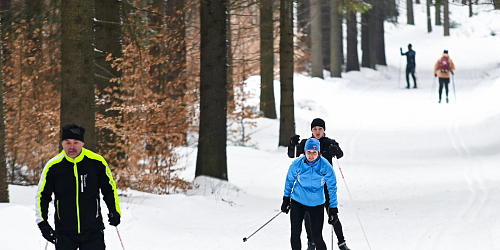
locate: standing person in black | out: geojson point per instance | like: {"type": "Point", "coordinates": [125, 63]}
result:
{"type": "Point", "coordinates": [75, 176]}
{"type": "Point", "coordinates": [410, 66]}
{"type": "Point", "coordinates": [329, 149]}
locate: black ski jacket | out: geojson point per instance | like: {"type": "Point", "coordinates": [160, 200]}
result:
{"type": "Point", "coordinates": [76, 184]}
{"type": "Point", "coordinates": [324, 144]}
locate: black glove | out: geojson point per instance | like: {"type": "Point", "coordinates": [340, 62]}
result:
{"type": "Point", "coordinates": [47, 232]}
{"type": "Point", "coordinates": [114, 218]}
{"type": "Point", "coordinates": [285, 206]}
{"type": "Point", "coordinates": [453, 73]}
{"type": "Point", "coordinates": [332, 215]}
{"type": "Point", "coordinates": [335, 149]}
{"type": "Point", "coordinates": [300, 149]}
{"type": "Point", "coordinates": [294, 140]}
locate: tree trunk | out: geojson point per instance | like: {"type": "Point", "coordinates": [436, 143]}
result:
{"type": "Point", "coordinates": [4, 187]}
{"type": "Point", "coordinates": [156, 51]}
{"type": "Point", "coordinates": [316, 40]}
{"type": "Point", "coordinates": [469, 2]}
{"type": "Point", "coordinates": [446, 14]}
{"type": "Point", "coordinates": [287, 113]}
{"type": "Point", "coordinates": [303, 34]}
{"type": "Point", "coordinates": [368, 37]}
{"type": "Point", "coordinates": [108, 33]}
{"type": "Point", "coordinates": [336, 57]}
{"type": "Point", "coordinates": [177, 48]}
{"type": "Point", "coordinates": [230, 74]}
{"type": "Point", "coordinates": [212, 157]}
{"type": "Point", "coordinates": [77, 66]}
{"type": "Point", "coordinates": [409, 14]}
{"type": "Point", "coordinates": [379, 37]}
{"type": "Point", "coordinates": [496, 4]}
{"type": "Point", "coordinates": [428, 10]}
{"type": "Point", "coordinates": [267, 101]}
{"type": "Point", "coordinates": [437, 6]}
{"type": "Point", "coordinates": [326, 25]}
{"type": "Point", "coordinates": [352, 43]}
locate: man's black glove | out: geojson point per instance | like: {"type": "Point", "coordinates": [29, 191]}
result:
{"type": "Point", "coordinates": [300, 149]}
{"type": "Point", "coordinates": [285, 206]}
{"type": "Point", "coordinates": [114, 218]}
{"type": "Point", "coordinates": [332, 215]}
{"type": "Point", "coordinates": [335, 150]}
{"type": "Point", "coordinates": [294, 140]}
{"type": "Point", "coordinates": [47, 231]}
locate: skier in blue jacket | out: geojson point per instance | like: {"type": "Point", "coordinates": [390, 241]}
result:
{"type": "Point", "coordinates": [304, 192]}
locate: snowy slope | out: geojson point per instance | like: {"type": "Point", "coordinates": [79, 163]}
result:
{"type": "Point", "coordinates": [422, 175]}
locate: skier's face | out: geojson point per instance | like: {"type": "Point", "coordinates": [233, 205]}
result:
{"type": "Point", "coordinates": [312, 155]}
{"type": "Point", "coordinates": [72, 147]}
{"type": "Point", "coordinates": [318, 132]}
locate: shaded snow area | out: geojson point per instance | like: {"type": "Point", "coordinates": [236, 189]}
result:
{"type": "Point", "coordinates": [422, 175]}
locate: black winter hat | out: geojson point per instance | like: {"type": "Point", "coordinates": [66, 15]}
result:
{"type": "Point", "coordinates": [445, 51]}
{"type": "Point", "coordinates": [318, 122]}
{"type": "Point", "coordinates": [73, 131]}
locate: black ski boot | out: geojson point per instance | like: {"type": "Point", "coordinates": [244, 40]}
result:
{"type": "Point", "coordinates": [311, 245]}
{"type": "Point", "coordinates": [343, 246]}
{"type": "Point", "coordinates": [446, 99]}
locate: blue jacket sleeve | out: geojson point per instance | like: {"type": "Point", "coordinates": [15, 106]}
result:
{"type": "Point", "coordinates": [331, 183]}
{"type": "Point", "coordinates": [291, 177]}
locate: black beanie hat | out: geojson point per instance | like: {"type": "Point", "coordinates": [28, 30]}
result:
{"type": "Point", "coordinates": [73, 131]}
{"type": "Point", "coordinates": [445, 51]}
{"type": "Point", "coordinates": [318, 122]}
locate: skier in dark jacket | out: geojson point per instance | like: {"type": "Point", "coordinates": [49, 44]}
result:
{"type": "Point", "coordinates": [410, 66]}
{"type": "Point", "coordinates": [329, 149]}
{"type": "Point", "coordinates": [75, 176]}
{"type": "Point", "coordinates": [304, 193]}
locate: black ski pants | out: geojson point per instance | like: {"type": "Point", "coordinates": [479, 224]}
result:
{"type": "Point", "coordinates": [410, 70]}
{"type": "Point", "coordinates": [316, 215]}
{"type": "Point", "coordinates": [337, 227]}
{"type": "Point", "coordinates": [443, 82]}
{"type": "Point", "coordinates": [84, 241]}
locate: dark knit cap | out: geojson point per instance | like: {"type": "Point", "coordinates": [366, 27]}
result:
{"type": "Point", "coordinates": [73, 131]}
{"type": "Point", "coordinates": [445, 51]}
{"type": "Point", "coordinates": [318, 122]}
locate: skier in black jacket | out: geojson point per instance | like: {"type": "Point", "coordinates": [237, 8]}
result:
{"type": "Point", "coordinates": [410, 66]}
{"type": "Point", "coordinates": [329, 149]}
{"type": "Point", "coordinates": [75, 176]}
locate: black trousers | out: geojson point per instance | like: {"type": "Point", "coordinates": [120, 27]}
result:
{"type": "Point", "coordinates": [410, 70]}
{"type": "Point", "coordinates": [84, 241]}
{"type": "Point", "coordinates": [316, 216]}
{"type": "Point", "coordinates": [337, 228]}
{"type": "Point", "coordinates": [443, 82]}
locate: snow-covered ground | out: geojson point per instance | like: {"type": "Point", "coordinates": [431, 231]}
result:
{"type": "Point", "coordinates": [422, 175]}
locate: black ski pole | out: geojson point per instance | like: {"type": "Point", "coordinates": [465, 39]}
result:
{"type": "Point", "coordinates": [246, 238]}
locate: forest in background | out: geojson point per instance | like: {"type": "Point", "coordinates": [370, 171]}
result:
{"type": "Point", "coordinates": [145, 67]}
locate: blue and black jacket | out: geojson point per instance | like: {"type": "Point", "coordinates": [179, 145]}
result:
{"type": "Point", "coordinates": [76, 184]}
{"type": "Point", "coordinates": [304, 183]}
